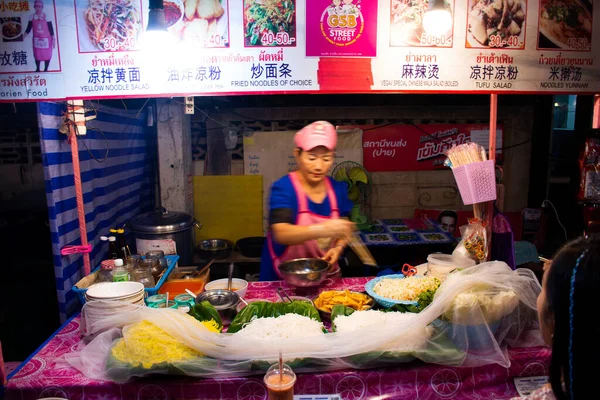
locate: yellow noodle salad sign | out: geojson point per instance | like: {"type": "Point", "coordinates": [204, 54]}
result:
{"type": "Point", "coordinates": [93, 49]}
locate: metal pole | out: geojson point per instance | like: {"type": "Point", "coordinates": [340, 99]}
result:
{"type": "Point", "coordinates": [492, 156]}
{"type": "Point", "coordinates": [596, 114]}
{"type": "Point", "coordinates": [76, 113]}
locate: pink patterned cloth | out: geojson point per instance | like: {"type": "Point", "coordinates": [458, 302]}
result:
{"type": "Point", "coordinates": [41, 376]}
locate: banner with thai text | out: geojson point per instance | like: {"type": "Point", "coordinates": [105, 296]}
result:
{"type": "Point", "coordinates": [55, 49]}
{"type": "Point", "coordinates": [419, 147]}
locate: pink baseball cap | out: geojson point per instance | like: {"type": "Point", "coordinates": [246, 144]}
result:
{"type": "Point", "coordinates": [320, 133]}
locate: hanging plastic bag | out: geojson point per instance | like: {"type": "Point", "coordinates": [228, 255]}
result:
{"type": "Point", "coordinates": [474, 241]}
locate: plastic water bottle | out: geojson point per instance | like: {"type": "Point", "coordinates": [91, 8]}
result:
{"type": "Point", "coordinates": [120, 273]}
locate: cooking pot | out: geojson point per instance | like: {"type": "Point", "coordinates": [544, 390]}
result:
{"type": "Point", "coordinates": [169, 231]}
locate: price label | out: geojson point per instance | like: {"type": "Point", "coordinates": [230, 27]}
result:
{"type": "Point", "coordinates": [280, 39]}
{"type": "Point", "coordinates": [319, 397]}
{"type": "Point", "coordinates": [215, 40]}
{"type": "Point", "coordinates": [430, 40]}
{"type": "Point", "coordinates": [113, 44]}
{"type": "Point", "coordinates": [498, 41]}
{"type": "Point", "coordinates": [578, 43]}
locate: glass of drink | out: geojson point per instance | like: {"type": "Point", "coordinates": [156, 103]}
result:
{"type": "Point", "coordinates": [280, 385]}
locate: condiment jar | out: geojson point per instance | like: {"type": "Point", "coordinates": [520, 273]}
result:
{"type": "Point", "coordinates": [143, 274]}
{"type": "Point", "coordinates": [155, 300]}
{"type": "Point", "coordinates": [133, 261]}
{"type": "Point", "coordinates": [106, 271]}
{"type": "Point", "coordinates": [184, 302]}
{"type": "Point", "coordinates": [159, 256]}
{"type": "Point", "coordinates": [172, 304]}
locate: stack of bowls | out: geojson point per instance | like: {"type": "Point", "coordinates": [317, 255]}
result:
{"type": "Point", "coordinates": [107, 299]}
{"type": "Point", "coordinates": [124, 293]}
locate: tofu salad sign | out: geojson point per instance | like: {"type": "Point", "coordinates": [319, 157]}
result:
{"type": "Point", "coordinates": [90, 49]}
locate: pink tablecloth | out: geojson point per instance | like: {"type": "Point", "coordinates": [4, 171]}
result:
{"type": "Point", "coordinates": [40, 377]}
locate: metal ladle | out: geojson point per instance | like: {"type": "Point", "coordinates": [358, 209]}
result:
{"type": "Point", "coordinates": [230, 277]}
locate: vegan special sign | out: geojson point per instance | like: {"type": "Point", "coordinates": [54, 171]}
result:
{"type": "Point", "coordinates": [53, 49]}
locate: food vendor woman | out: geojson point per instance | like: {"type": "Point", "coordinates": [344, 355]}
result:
{"type": "Point", "coordinates": [306, 206]}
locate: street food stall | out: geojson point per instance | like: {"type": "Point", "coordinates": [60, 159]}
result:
{"type": "Point", "coordinates": [460, 325]}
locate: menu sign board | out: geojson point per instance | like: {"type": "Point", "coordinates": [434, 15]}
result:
{"type": "Point", "coordinates": [55, 49]}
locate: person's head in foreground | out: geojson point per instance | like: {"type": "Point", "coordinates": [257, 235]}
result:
{"type": "Point", "coordinates": [315, 151]}
{"type": "Point", "coordinates": [568, 310]}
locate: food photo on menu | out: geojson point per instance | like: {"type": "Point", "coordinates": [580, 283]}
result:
{"type": "Point", "coordinates": [496, 24]}
{"type": "Point", "coordinates": [203, 23]}
{"type": "Point", "coordinates": [408, 27]}
{"type": "Point", "coordinates": [270, 23]}
{"type": "Point", "coordinates": [29, 36]}
{"type": "Point", "coordinates": [108, 25]}
{"type": "Point", "coordinates": [565, 25]}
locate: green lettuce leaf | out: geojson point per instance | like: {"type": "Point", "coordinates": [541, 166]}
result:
{"type": "Point", "coordinates": [205, 312]}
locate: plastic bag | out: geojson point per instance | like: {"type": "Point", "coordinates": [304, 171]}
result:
{"type": "Point", "coordinates": [473, 315]}
{"type": "Point", "coordinates": [589, 165]}
{"type": "Point", "coordinates": [474, 241]}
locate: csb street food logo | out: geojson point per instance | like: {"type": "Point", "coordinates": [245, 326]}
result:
{"type": "Point", "coordinates": [342, 23]}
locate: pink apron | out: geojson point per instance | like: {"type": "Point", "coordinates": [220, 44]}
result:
{"type": "Point", "coordinates": [311, 248]}
{"type": "Point", "coordinates": [42, 41]}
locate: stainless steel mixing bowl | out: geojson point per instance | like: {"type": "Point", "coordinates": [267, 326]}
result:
{"type": "Point", "coordinates": [304, 272]}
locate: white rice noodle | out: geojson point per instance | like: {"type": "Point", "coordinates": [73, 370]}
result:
{"type": "Point", "coordinates": [288, 326]}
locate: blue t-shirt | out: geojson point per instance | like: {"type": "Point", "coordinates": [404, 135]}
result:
{"type": "Point", "coordinates": [283, 195]}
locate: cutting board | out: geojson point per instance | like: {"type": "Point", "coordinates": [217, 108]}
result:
{"type": "Point", "coordinates": [229, 207]}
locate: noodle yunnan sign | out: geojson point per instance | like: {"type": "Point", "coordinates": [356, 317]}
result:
{"type": "Point", "coordinates": [55, 49]}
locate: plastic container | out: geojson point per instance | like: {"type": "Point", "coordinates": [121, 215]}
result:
{"type": "Point", "coordinates": [172, 261]}
{"type": "Point", "coordinates": [280, 386]}
{"type": "Point", "coordinates": [176, 284]}
{"type": "Point", "coordinates": [183, 300]}
{"type": "Point", "coordinates": [440, 265]}
{"type": "Point", "coordinates": [172, 304]}
{"type": "Point", "coordinates": [476, 182]}
{"type": "Point", "coordinates": [153, 301]}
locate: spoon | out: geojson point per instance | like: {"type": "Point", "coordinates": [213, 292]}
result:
{"type": "Point", "coordinates": [230, 277]}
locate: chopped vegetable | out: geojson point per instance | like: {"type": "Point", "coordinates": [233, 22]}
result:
{"type": "Point", "coordinates": [358, 301]}
{"type": "Point", "coordinates": [206, 312]}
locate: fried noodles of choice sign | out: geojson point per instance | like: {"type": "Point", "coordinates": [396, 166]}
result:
{"type": "Point", "coordinates": [55, 49]}
{"type": "Point", "coordinates": [420, 147]}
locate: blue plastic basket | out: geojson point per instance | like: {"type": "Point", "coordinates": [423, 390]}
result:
{"type": "Point", "coordinates": [384, 301]}
{"type": "Point", "coordinates": [171, 262]}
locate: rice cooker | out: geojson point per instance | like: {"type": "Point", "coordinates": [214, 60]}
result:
{"type": "Point", "coordinates": [169, 231]}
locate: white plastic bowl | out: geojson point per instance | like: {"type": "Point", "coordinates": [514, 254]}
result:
{"type": "Point", "coordinates": [114, 290]}
{"type": "Point", "coordinates": [240, 286]}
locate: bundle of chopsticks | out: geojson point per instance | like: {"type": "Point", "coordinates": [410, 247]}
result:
{"type": "Point", "coordinates": [463, 154]}
{"type": "Point", "coordinates": [467, 153]}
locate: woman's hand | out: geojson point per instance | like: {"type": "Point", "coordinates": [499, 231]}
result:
{"type": "Point", "coordinates": [333, 255]}
{"type": "Point", "coordinates": [338, 229]}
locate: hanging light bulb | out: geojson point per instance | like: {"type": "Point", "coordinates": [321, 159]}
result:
{"type": "Point", "coordinates": [437, 20]}
{"type": "Point", "coordinates": [156, 38]}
